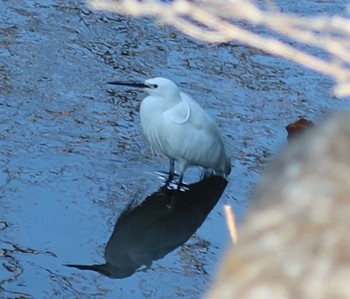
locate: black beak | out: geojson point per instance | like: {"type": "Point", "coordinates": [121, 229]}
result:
{"type": "Point", "coordinates": [138, 85]}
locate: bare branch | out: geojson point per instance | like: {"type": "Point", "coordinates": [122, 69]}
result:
{"type": "Point", "coordinates": [215, 21]}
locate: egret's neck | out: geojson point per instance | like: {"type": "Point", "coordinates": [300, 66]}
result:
{"type": "Point", "coordinates": [173, 96]}
{"type": "Point", "coordinates": [168, 98]}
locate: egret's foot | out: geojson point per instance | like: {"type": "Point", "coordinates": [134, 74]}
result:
{"type": "Point", "coordinates": [170, 178]}
{"type": "Point", "coordinates": [167, 177]}
{"type": "Point", "coordinates": [171, 182]}
{"type": "Point", "coordinates": [183, 187]}
{"type": "Point", "coordinates": [179, 184]}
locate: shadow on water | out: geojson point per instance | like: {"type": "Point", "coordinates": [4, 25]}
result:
{"type": "Point", "coordinates": [160, 224]}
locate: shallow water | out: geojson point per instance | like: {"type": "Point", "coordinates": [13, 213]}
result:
{"type": "Point", "coordinates": [72, 157]}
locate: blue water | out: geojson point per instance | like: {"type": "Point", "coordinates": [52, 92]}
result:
{"type": "Point", "coordinates": [72, 156]}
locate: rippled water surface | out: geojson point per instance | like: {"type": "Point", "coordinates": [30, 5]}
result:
{"type": "Point", "coordinates": [72, 157]}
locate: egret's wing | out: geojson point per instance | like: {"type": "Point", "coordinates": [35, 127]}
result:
{"type": "Point", "coordinates": [180, 113]}
{"type": "Point", "coordinates": [188, 120]}
{"type": "Point", "coordinates": [191, 136]}
{"type": "Point", "coordinates": [199, 118]}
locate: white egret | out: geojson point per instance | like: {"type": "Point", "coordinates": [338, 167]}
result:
{"type": "Point", "coordinates": [176, 126]}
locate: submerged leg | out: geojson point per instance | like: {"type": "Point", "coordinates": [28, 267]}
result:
{"type": "Point", "coordinates": [171, 170]}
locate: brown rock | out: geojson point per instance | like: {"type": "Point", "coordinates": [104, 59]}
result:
{"type": "Point", "coordinates": [297, 127]}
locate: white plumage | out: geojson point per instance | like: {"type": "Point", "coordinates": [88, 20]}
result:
{"type": "Point", "coordinates": [176, 126]}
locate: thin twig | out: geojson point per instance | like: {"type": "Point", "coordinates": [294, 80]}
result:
{"type": "Point", "coordinates": [231, 223]}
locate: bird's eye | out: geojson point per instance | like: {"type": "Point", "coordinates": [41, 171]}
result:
{"type": "Point", "coordinates": [155, 86]}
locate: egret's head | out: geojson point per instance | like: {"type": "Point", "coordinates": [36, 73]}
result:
{"type": "Point", "coordinates": [162, 87]}
{"type": "Point", "coordinates": [108, 269]}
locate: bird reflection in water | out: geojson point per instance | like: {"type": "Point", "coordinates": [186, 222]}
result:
{"type": "Point", "coordinates": [160, 224]}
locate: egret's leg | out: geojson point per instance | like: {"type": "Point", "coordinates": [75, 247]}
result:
{"type": "Point", "coordinates": [182, 171]}
{"type": "Point", "coordinates": [171, 170]}
{"type": "Point", "coordinates": [180, 180]}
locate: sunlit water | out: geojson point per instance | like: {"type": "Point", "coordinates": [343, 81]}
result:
{"type": "Point", "coordinates": [72, 157]}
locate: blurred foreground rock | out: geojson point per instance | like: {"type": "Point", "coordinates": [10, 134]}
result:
{"type": "Point", "coordinates": [295, 242]}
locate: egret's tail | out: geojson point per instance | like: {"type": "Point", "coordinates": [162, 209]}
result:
{"type": "Point", "coordinates": [227, 168]}
{"type": "Point", "coordinates": [208, 173]}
